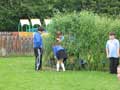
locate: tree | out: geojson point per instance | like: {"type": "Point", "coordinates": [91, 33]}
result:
{"type": "Point", "coordinates": [12, 10]}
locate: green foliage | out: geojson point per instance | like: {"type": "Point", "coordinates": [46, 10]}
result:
{"type": "Point", "coordinates": [85, 34]}
{"type": "Point", "coordinates": [12, 10]}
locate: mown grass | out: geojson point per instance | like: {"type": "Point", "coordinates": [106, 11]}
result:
{"type": "Point", "coordinates": [17, 73]}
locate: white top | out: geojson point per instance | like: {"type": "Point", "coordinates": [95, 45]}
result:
{"type": "Point", "coordinates": [113, 46]}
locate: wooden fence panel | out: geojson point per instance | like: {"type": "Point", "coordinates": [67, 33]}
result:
{"type": "Point", "coordinates": [11, 44]}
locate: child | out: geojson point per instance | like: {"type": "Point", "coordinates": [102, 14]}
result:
{"type": "Point", "coordinates": [38, 48]}
{"type": "Point", "coordinates": [112, 51]}
{"type": "Point", "coordinates": [60, 38]}
{"type": "Point", "coordinates": [60, 54]}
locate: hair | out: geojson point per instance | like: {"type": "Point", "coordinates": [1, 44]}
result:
{"type": "Point", "coordinates": [112, 34]}
{"type": "Point", "coordinates": [41, 29]}
{"type": "Point", "coordinates": [58, 33]}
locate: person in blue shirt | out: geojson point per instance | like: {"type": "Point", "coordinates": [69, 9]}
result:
{"type": "Point", "coordinates": [113, 52]}
{"type": "Point", "coordinates": [60, 39]}
{"type": "Point", "coordinates": [38, 47]}
{"type": "Point", "coordinates": [60, 55]}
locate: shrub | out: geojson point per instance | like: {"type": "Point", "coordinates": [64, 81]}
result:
{"type": "Point", "coordinates": [85, 34]}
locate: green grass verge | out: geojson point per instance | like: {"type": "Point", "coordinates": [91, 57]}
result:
{"type": "Point", "coordinates": [17, 73]}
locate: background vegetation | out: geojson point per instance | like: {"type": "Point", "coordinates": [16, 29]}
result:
{"type": "Point", "coordinates": [85, 34]}
{"type": "Point", "coordinates": [12, 10]}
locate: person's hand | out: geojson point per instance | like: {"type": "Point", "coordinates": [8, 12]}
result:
{"type": "Point", "coordinates": [42, 50]}
{"type": "Point", "coordinates": [58, 39]}
{"type": "Point", "coordinates": [107, 56]}
{"type": "Point", "coordinates": [55, 57]}
{"type": "Point", "coordinates": [118, 55]}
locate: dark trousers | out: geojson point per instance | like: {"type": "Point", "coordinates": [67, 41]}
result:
{"type": "Point", "coordinates": [65, 61]}
{"type": "Point", "coordinates": [114, 62]}
{"type": "Point", "coordinates": [38, 58]}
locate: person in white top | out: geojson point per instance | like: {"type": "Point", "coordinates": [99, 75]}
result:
{"type": "Point", "coordinates": [113, 52]}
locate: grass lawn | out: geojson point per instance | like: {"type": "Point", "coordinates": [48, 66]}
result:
{"type": "Point", "coordinates": [17, 73]}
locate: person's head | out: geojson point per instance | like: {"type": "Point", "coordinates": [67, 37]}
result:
{"type": "Point", "coordinates": [111, 35]}
{"type": "Point", "coordinates": [58, 33]}
{"type": "Point", "coordinates": [41, 29]}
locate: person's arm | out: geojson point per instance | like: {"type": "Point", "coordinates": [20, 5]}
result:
{"type": "Point", "coordinates": [41, 42]}
{"type": "Point", "coordinates": [62, 38]}
{"type": "Point", "coordinates": [107, 50]}
{"type": "Point", "coordinates": [54, 50]}
{"type": "Point", "coordinates": [33, 37]}
{"type": "Point", "coordinates": [118, 48]}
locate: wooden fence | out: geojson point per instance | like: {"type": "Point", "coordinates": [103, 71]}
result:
{"type": "Point", "coordinates": [16, 44]}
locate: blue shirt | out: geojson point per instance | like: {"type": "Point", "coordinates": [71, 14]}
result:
{"type": "Point", "coordinates": [113, 46]}
{"type": "Point", "coordinates": [37, 40]}
{"type": "Point", "coordinates": [57, 48]}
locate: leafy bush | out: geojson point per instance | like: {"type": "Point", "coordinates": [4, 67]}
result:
{"type": "Point", "coordinates": [85, 34]}
{"type": "Point", "coordinates": [13, 10]}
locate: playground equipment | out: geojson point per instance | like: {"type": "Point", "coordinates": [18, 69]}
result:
{"type": "Point", "coordinates": [24, 23]}
{"type": "Point", "coordinates": [47, 21]}
{"type": "Point", "coordinates": [35, 22]}
{"type": "Point", "coordinates": [28, 26]}
{"type": "Point", "coordinates": [31, 25]}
